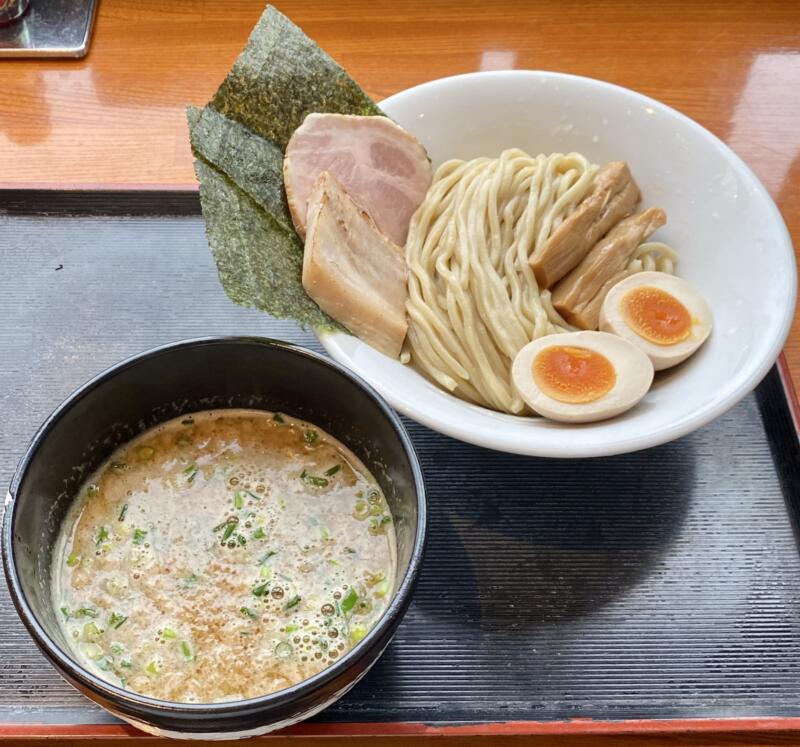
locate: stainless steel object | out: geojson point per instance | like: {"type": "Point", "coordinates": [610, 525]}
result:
{"type": "Point", "coordinates": [50, 28]}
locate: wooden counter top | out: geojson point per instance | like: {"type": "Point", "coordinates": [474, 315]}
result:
{"type": "Point", "coordinates": [117, 119]}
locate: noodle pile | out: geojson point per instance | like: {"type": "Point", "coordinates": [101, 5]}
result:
{"type": "Point", "coordinates": [473, 299]}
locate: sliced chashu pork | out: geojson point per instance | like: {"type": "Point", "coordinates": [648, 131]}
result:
{"type": "Point", "coordinates": [613, 195]}
{"type": "Point", "coordinates": [579, 296]}
{"type": "Point", "coordinates": [382, 167]}
{"type": "Point", "coordinates": [354, 273]}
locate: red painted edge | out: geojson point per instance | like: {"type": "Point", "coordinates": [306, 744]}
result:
{"type": "Point", "coordinates": [789, 389]}
{"type": "Point", "coordinates": [399, 729]}
{"type": "Point", "coordinates": [98, 187]}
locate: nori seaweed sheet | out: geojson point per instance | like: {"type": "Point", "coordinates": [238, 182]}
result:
{"type": "Point", "coordinates": [238, 140]}
{"type": "Point", "coordinates": [254, 164]}
{"type": "Point", "coordinates": [259, 262]}
{"type": "Point", "coordinates": [282, 76]}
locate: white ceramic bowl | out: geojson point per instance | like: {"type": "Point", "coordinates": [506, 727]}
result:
{"type": "Point", "coordinates": [733, 244]}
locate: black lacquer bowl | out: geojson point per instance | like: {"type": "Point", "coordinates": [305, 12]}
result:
{"type": "Point", "coordinates": [153, 387]}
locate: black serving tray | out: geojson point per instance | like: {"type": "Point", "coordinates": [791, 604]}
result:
{"type": "Point", "coordinates": [652, 591]}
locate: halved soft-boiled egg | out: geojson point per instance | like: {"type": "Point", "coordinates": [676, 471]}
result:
{"type": "Point", "coordinates": [659, 313]}
{"type": "Point", "coordinates": [579, 377]}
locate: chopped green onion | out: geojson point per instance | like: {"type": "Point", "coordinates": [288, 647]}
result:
{"type": "Point", "coordinates": [259, 533]}
{"type": "Point", "coordinates": [117, 648]}
{"type": "Point", "coordinates": [168, 633]}
{"type": "Point", "coordinates": [278, 418]}
{"type": "Point", "coordinates": [123, 512]}
{"type": "Point", "coordinates": [350, 600]}
{"type": "Point", "coordinates": [191, 580]}
{"type": "Point", "coordinates": [265, 572]}
{"type": "Point", "coordinates": [65, 612]}
{"type": "Point", "coordinates": [92, 490]}
{"type": "Point", "coordinates": [382, 589]}
{"type": "Point", "coordinates": [127, 663]}
{"type": "Point", "coordinates": [153, 667]}
{"type": "Point", "coordinates": [253, 495]}
{"type": "Point", "coordinates": [93, 651]}
{"type": "Point", "coordinates": [293, 602]}
{"type": "Point", "coordinates": [247, 612]}
{"type": "Point", "coordinates": [333, 470]}
{"type": "Point", "coordinates": [358, 632]}
{"type": "Point", "coordinates": [325, 533]}
{"type": "Point", "coordinates": [186, 651]}
{"type": "Point", "coordinates": [269, 554]}
{"type": "Point", "coordinates": [317, 482]}
{"type": "Point", "coordinates": [91, 631]}
{"type": "Point", "coordinates": [85, 612]}
{"type": "Point", "coordinates": [238, 499]}
{"type": "Point", "coordinates": [241, 540]}
{"type": "Point", "coordinates": [138, 536]}
{"type": "Point", "coordinates": [310, 436]}
{"type": "Point", "coordinates": [73, 560]}
{"type": "Point", "coordinates": [105, 663]}
{"type": "Point", "coordinates": [291, 627]}
{"type": "Point", "coordinates": [191, 472]}
{"type": "Point", "coordinates": [145, 453]}
{"type": "Point", "coordinates": [283, 649]}
{"type": "Point", "coordinates": [102, 536]}
{"type": "Point", "coordinates": [260, 590]}
{"type": "Point", "coordinates": [116, 620]}
{"type": "Point", "coordinates": [377, 525]}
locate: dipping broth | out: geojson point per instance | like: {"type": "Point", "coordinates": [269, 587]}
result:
{"type": "Point", "coordinates": [222, 556]}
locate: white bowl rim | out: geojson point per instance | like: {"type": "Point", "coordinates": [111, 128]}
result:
{"type": "Point", "coordinates": [749, 380]}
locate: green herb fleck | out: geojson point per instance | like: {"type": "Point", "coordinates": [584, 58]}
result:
{"type": "Point", "coordinates": [317, 482]}
{"type": "Point", "coordinates": [358, 632]}
{"type": "Point", "coordinates": [247, 612]}
{"type": "Point", "coordinates": [238, 499]}
{"type": "Point", "coordinates": [153, 667]}
{"type": "Point", "coordinates": [191, 580]}
{"type": "Point", "coordinates": [102, 536]}
{"type": "Point", "coordinates": [85, 612]}
{"type": "Point", "coordinates": [92, 490]}
{"type": "Point", "coordinates": [278, 418]}
{"type": "Point", "coordinates": [91, 631]}
{"type": "Point", "coordinates": [261, 590]}
{"type": "Point", "coordinates": [138, 536]}
{"type": "Point", "coordinates": [241, 540]}
{"type": "Point", "coordinates": [310, 436]}
{"type": "Point", "coordinates": [259, 533]}
{"type": "Point", "coordinates": [291, 628]}
{"type": "Point", "coordinates": [186, 651]}
{"type": "Point", "coordinates": [73, 560]}
{"type": "Point", "coordinates": [65, 612]}
{"type": "Point", "coordinates": [330, 472]}
{"type": "Point", "coordinates": [377, 524]}
{"type": "Point", "coordinates": [191, 472]}
{"type": "Point", "coordinates": [349, 600]}
{"type": "Point", "coordinates": [116, 620]}
{"type": "Point", "coordinates": [169, 633]}
{"type": "Point", "coordinates": [293, 602]}
{"type": "Point", "coordinates": [382, 589]}
{"type": "Point", "coordinates": [254, 496]}
{"type": "Point", "coordinates": [123, 512]}
{"type": "Point", "coordinates": [269, 554]}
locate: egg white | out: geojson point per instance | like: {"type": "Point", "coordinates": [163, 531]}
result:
{"type": "Point", "coordinates": [662, 356]}
{"type": "Point", "coordinates": [633, 369]}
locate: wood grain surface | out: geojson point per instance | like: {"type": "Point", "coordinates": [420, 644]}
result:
{"type": "Point", "coordinates": [117, 119]}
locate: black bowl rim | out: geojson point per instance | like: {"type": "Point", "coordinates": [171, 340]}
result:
{"type": "Point", "coordinates": [117, 695]}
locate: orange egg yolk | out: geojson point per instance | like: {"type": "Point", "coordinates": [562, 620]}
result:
{"type": "Point", "coordinates": [656, 315]}
{"type": "Point", "coordinates": [572, 374]}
